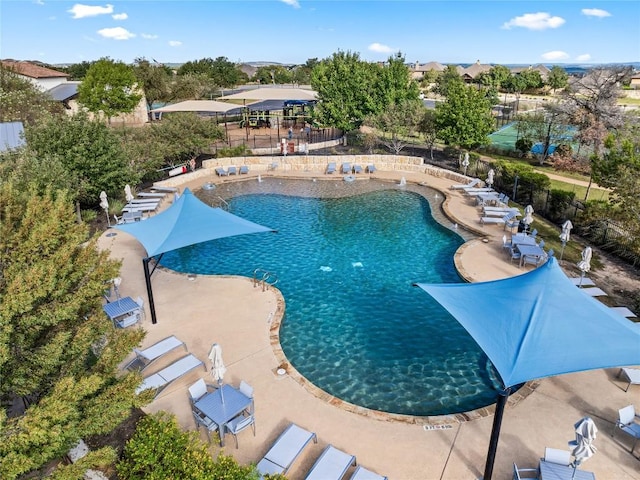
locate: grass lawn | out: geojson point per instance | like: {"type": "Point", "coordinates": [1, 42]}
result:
{"type": "Point", "coordinates": [580, 191]}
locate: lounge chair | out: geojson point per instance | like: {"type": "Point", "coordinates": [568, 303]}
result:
{"type": "Point", "coordinates": [524, 473]}
{"type": "Point", "coordinates": [624, 311]}
{"type": "Point", "coordinates": [159, 381]}
{"type": "Point", "coordinates": [628, 424]}
{"type": "Point", "coordinates": [221, 172]}
{"type": "Point", "coordinates": [232, 170]}
{"type": "Point", "coordinates": [146, 357]}
{"type": "Point", "coordinates": [285, 450]}
{"type": "Point", "coordinates": [584, 282]}
{"type": "Point", "coordinates": [362, 473]}
{"type": "Point", "coordinates": [331, 465]}
{"type": "Point", "coordinates": [243, 170]}
{"type": "Point", "coordinates": [357, 169]}
{"type": "Point", "coordinates": [331, 167]}
{"type": "Point", "coordinates": [498, 220]}
{"type": "Point", "coordinates": [346, 168]}
{"type": "Point", "coordinates": [471, 184]}
{"type": "Point", "coordinates": [632, 375]}
{"type": "Point", "coordinates": [594, 291]}
{"type": "Point", "coordinates": [371, 168]}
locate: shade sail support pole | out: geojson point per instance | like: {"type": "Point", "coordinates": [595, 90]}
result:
{"type": "Point", "coordinates": [147, 280]}
{"type": "Point", "coordinates": [495, 433]}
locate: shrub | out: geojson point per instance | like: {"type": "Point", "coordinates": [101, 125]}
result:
{"type": "Point", "coordinates": [559, 203]}
{"type": "Point", "coordinates": [237, 151]}
{"type": "Point", "coordinates": [523, 145]}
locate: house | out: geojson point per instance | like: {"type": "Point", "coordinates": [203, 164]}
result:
{"type": "Point", "coordinates": [418, 71]}
{"type": "Point", "coordinates": [635, 81]}
{"type": "Point", "coordinates": [42, 77]}
{"type": "Point", "coordinates": [470, 73]}
{"type": "Point", "coordinates": [542, 69]}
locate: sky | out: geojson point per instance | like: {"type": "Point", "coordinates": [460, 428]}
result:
{"type": "Point", "coordinates": [292, 31]}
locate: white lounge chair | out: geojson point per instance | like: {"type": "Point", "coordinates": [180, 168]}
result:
{"type": "Point", "coordinates": [594, 291]}
{"type": "Point", "coordinates": [331, 465]}
{"type": "Point", "coordinates": [586, 282]}
{"type": "Point", "coordinates": [362, 473]}
{"type": "Point", "coordinates": [145, 357]}
{"type": "Point", "coordinates": [628, 424]}
{"type": "Point", "coordinates": [285, 450]}
{"type": "Point", "coordinates": [159, 381]}
{"type": "Point", "coordinates": [624, 311]}
{"type": "Point", "coordinates": [632, 376]}
{"type": "Point", "coordinates": [498, 220]}
{"type": "Point", "coordinates": [459, 186]}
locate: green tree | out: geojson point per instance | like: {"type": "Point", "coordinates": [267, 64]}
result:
{"type": "Point", "coordinates": [496, 77]}
{"type": "Point", "coordinates": [449, 76]}
{"type": "Point", "coordinates": [272, 74]}
{"type": "Point", "coordinates": [547, 128]}
{"type": "Point", "coordinates": [393, 84]}
{"type": "Point", "coordinates": [557, 78]}
{"type": "Point", "coordinates": [464, 119]}
{"type": "Point", "coordinates": [89, 150]}
{"type": "Point", "coordinates": [21, 100]}
{"type": "Point", "coordinates": [159, 449]}
{"type": "Point", "coordinates": [77, 71]}
{"type": "Point", "coordinates": [344, 86]}
{"type": "Point", "coordinates": [428, 128]}
{"type": "Point", "coordinates": [531, 78]}
{"type": "Point", "coordinates": [221, 72]}
{"type": "Point", "coordinates": [58, 353]}
{"type": "Point", "coordinates": [155, 81]}
{"type": "Point", "coordinates": [109, 87]}
{"type": "Point", "coordinates": [399, 121]}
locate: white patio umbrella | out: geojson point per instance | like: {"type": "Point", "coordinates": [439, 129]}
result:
{"type": "Point", "coordinates": [528, 216]}
{"type": "Point", "coordinates": [490, 175]}
{"type": "Point", "coordinates": [585, 264]}
{"type": "Point", "coordinates": [565, 235]}
{"type": "Point", "coordinates": [127, 193]}
{"type": "Point", "coordinates": [217, 365]}
{"type": "Point", "coordinates": [582, 447]}
{"type": "Point", "coordinates": [104, 204]}
{"type": "Point", "coordinates": [465, 162]}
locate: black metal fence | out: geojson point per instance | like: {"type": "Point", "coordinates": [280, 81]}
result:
{"type": "Point", "coordinates": [272, 138]}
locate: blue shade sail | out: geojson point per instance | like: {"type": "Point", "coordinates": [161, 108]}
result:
{"type": "Point", "coordinates": [187, 222]}
{"type": "Point", "coordinates": [539, 324]}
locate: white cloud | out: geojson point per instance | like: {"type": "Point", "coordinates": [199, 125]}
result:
{"type": "Point", "coordinates": [585, 57]}
{"type": "Point", "coordinates": [120, 16]}
{"type": "Point", "coordinates": [148, 36]}
{"type": "Point", "coordinates": [555, 55]}
{"type": "Point", "coordinates": [174, 43]}
{"type": "Point", "coordinates": [293, 3]}
{"type": "Point", "coordinates": [83, 11]}
{"type": "Point", "coordinates": [116, 33]}
{"type": "Point", "coordinates": [595, 12]}
{"type": "Point", "coordinates": [39, 2]}
{"type": "Point", "coordinates": [380, 48]}
{"type": "Point", "coordinates": [534, 21]}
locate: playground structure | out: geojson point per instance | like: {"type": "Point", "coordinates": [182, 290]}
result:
{"type": "Point", "coordinates": [292, 113]}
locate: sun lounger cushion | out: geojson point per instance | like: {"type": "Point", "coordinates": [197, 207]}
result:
{"type": "Point", "coordinates": [624, 311]}
{"type": "Point", "coordinates": [285, 450]}
{"type": "Point", "coordinates": [460, 186]}
{"type": "Point", "coordinates": [362, 473]}
{"type": "Point", "coordinates": [164, 377]}
{"type": "Point", "coordinates": [331, 167]}
{"type": "Point", "coordinates": [232, 170]}
{"type": "Point", "coordinates": [244, 169]}
{"type": "Point", "coordinates": [145, 357]}
{"type": "Point", "coordinates": [331, 465]}
{"type": "Point", "coordinates": [221, 172]}
{"type": "Point", "coordinates": [357, 169]}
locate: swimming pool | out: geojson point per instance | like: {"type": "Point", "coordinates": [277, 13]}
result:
{"type": "Point", "coordinates": [354, 325]}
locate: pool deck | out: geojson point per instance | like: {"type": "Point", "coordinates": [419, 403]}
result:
{"type": "Point", "coordinates": [243, 319]}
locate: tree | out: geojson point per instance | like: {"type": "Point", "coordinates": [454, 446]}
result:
{"type": "Point", "coordinates": [22, 101]}
{"type": "Point", "coordinates": [272, 74]}
{"type": "Point", "coordinates": [109, 87]}
{"type": "Point", "coordinates": [557, 78]}
{"type": "Point", "coordinates": [399, 120]}
{"type": "Point", "coordinates": [464, 119]}
{"type": "Point", "coordinates": [428, 128]}
{"type": "Point", "coordinates": [545, 128]}
{"type": "Point", "coordinates": [496, 77]}
{"type": "Point", "coordinates": [447, 77]}
{"type": "Point", "coordinates": [89, 150]}
{"type": "Point", "coordinates": [393, 84]}
{"type": "Point", "coordinates": [77, 71]}
{"type": "Point", "coordinates": [221, 72]}
{"type": "Point", "coordinates": [155, 81]}
{"type": "Point", "coordinates": [344, 86]}
{"type": "Point", "coordinates": [58, 354]}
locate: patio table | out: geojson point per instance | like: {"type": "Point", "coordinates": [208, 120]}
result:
{"type": "Point", "coordinates": [222, 405]}
{"type": "Point", "coordinates": [529, 251]}
{"type": "Point", "coordinates": [487, 198]}
{"type": "Point", "coordinates": [555, 471]}
{"type": "Point", "coordinates": [522, 239]}
{"type": "Point", "coordinates": [120, 308]}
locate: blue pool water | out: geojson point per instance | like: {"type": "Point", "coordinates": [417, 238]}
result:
{"type": "Point", "coordinates": [354, 325]}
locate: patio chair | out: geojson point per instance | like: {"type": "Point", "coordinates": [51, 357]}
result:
{"type": "Point", "coordinates": [285, 450]}
{"type": "Point", "coordinates": [557, 456]}
{"type": "Point", "coordinates": [346, 168]}
{"type": "Point", "coordinates": [232, 170]}
{"type": "Point", "coordinates": [199, 389]}
{"type": "Point", "coordinates": [506, 244]}
{"type": "Point", "coordinates": [362, 473]}
{"type": "Point", "coordinates": [129, 320]}
{"type": "Point", "coordinates": [204, 421]}
{"type": "Point", "coordinates": [541, 244]}
{"type": "Point", "coordinates": [331, 167]}
{"type": "Point", "coordinates": [522, 473]}
{"type": "Point", "coordinates": [632, 376]}
{"type": "Point", "coordinates": [240, 423]}
{"type": "Point", "coordinates": [331, 465]}
{"type": "Point", "coordinates": [357, 169]}
{"type": "Point", "coordinates": [221, 172]}
{"type": "Point", "coordinates": [628, 424]}
{"type": "Point", "coordinates": [247, 391]}
{"type": "Point", "coordinates": [161, 380]}
{"type": "Point", "coordinates": [530, 260]}
{"type": "Point", "coordinates": [534, 232]}
{"type": "Point", "coordinates": [460, 186]}
{"type": "Point", "coordinates": [514, 254]}
{"type": "Point", "coordinates": [243, 170]}
{"type": "Point", "coordinates": [512, 223]}
{"type": "Point", "coordinates": [140, 302]}
{"type": "Point", "coordinates": [146, 357]}
{"type": "Point", "coordinates": [371, 168]}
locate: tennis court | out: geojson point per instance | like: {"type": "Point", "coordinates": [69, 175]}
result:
{"type": "Point", "coordinates": [506, 137]}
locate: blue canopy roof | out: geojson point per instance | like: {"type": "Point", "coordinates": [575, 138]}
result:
{"type": "Point", "coordinates": [539, 324]}
{"type": "Point", "coordinates": [187, 222]}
